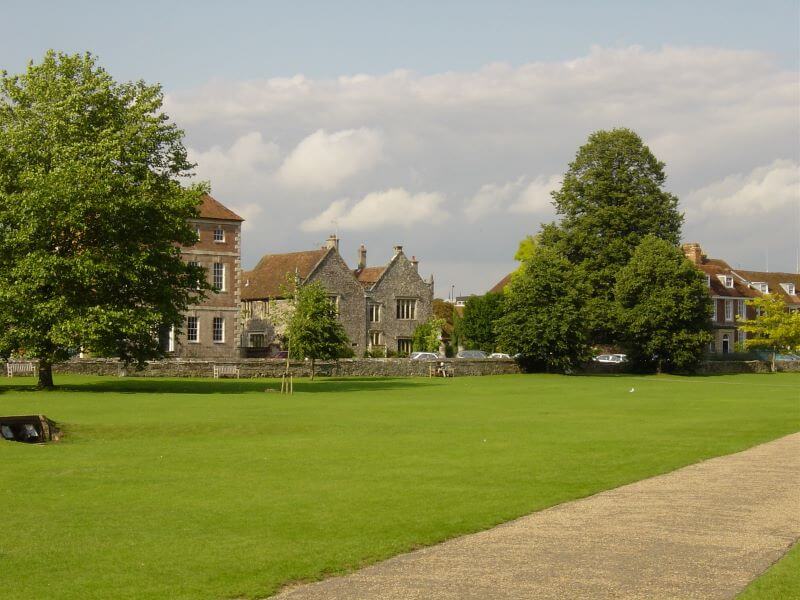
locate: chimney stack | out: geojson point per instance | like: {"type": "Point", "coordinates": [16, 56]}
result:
{"type": "Point", "coordinates": [415, 263]}
{"type": "Point", "coordinates": [398, 250]}
{"type": "Point", "coordinates": [362, 257]}
{"type": "Point", "coordinates": [693, 252]}
{"type": "Point", "coordinates": [332, 242]}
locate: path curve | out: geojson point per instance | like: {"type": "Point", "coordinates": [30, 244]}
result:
{"type": "Point", "coordinates": [703, 531]}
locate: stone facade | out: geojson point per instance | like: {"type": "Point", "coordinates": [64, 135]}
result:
{"type": "Point", "coordinates": [218, 250]}
{"type": "Point", "coordinates": [356, 293]}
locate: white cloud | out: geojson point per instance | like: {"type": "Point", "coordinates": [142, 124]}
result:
{"type": "Point", "coordinates": [536, 198]}
{"type": "Point", "coordinates": [491, 198]}
{"type": "Point", "coordinates": [247, 153]}
{"type": "Point", "coordinates": [322, 161]}
{"type": "Point", "coordinates": [762, 190]}
{"type": "Point", "coordinates": [394, 207]}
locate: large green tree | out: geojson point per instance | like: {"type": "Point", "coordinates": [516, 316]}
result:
{"type": "Point", "coordinates": [774, 329]}
{"type": "Point", "coordinates": [428, 335]}
{"type": "Point", "coordinates": [92, 211]}
{"type": "Point", "coordinates": [314, 330]}
{"type": "Point", "coordinates": [663, 308]}
{"type": "Point", "coordinates": [544, 318]}
{"type": "Point", "coordinates": [612, 196]}
{"type": "Point", "coordinates": [477, 325]}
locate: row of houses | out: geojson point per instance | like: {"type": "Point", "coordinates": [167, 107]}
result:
{"type": "Point", "coordinates": [730, 289]}
{"type": "Point", "coordinates": [379, 306]}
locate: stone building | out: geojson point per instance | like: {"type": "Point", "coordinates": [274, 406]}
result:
{"type": "Point", "coordinates": [212, 327]}
{"type": "Point", "coordinates": [379, 307]}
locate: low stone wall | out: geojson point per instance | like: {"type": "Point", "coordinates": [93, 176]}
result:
{"type": "Point", "coordinates": [720, 367]}
{"type": "Point", "coordinates": [254, 367]}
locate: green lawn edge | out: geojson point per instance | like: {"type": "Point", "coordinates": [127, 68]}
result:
{"type": "Point", "coordinates": [781, 580]}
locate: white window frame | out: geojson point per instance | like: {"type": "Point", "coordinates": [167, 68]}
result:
{"type": "Point", "coordinates": [728, 311]}
{"type": "Point", "coordinates": [171, 339]}
{"type": "Point", "coordinates": [708, 280]}
{"type": "Point", "coordinates": [221, 321]}
{"type": "Point", "coordinates": [789, 288]}
{"type": "Point", "coordinates": [374, 310]}
{"type": "Point", "coordinates": [373, 336]}
{"type": "Point", "coordinates": [714, 315]}
{"type": "Point", "coordinates": [222, 278]}
{"type": "Point", "coordinates": [334, 299]}
{"type": "Point", "coordinates": [219, 229]}
{"type": "Point", "coordinates": [406, 309]}
{"type": "Point", "coordinates": [250, 336]}
{"type": "Point", "coordinates": [761, 286]}
{"type": "Point", "coordinates": [196, 338]}
{"type": "Point", "coordinates": [740, 309]}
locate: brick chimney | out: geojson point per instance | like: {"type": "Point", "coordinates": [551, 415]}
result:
{"type": "Point", "coordinates": [415, 263]}
{"type": "Point", "coordinates": [362, 257]}
{"type": "Point", "coordinates": [332, 242]}
{"type": "Point", "coordinates": [693, 252]}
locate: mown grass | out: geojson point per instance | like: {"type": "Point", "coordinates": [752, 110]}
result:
{"type": "Point", "coordinates": [187, 489]}
{"type": "Point", "coordinates": [781, 581]}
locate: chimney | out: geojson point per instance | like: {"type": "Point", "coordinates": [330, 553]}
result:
{"type": "Point", "coordinates": [693, 252]}
{"type": "Point", "coordinates": [332, 242]}
{"type": "Point", "coordinates": [398, 250]}
{"type": "Point", "coordinates": [362, 257]}
{"type": "Point", "coordinates": [415, 263]}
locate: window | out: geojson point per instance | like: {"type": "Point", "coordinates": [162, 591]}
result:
{"type": "Point", "coordinates": [404, 346]}
{"type": "Point", "coordinates": [374, 313]}
{"type": "Point", "coordinates": [335, 301]}
{"type": "Point", "coordinates": [708, 280]}
{"type": "Point", "coordinates": [194, 263]}
{"type": "Point", "coordinates": [740, 309]}
{"type": "Point", "coordinates": [218, 329]}
{"type": "Point", "coordinates": [789, 287]}
{"type": "Point", "coordinates": [258, 340]}
{"type": "Point", "coordinates": [375, 338]}
{"type": "Point", "coordinates": [761, 286]}
{"type": "Point", "coordinates": [219, 276]}
{"type": "Point", "coordinates": [713, 310]}
{"type": "Point", "coordinates": [726, 344]}
{"type": "Point", "coordinates": [171, 339]}
{"type": "Point", "coordinates": [192, 329]}
{"type": "Point", "coordinates": [219, 234]}
{"type": "Point", "coordinates": [729, 310]}
{"type": "Point", "coordinates": [726, 280]}
{"type": "Point", "coordinates": [406, 309]}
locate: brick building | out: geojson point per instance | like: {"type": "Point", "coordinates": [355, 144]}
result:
{"type": "Point", "coordinates": [212, 327]}
{"type": "Point", "coordinates": [379, 307]}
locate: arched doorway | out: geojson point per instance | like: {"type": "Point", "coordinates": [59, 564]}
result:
{"type": "Point", "coordinates": [726, 343]}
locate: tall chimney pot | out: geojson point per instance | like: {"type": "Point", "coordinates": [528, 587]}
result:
{"type": "Point", "coordinates": [362, 257]}
{"type": "Point", "coordinates": [332, 242]}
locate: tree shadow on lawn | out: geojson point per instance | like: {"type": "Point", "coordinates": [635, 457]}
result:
{"type": "Point", "coordinates": [228, 386]}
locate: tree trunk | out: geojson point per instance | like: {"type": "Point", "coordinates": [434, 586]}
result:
{"type": "Point", "coordinates": [45, 375]}
{"type": "Point", "coordinates": [312, 369]}
{"type": "Point", "coordinates": [773, 362]}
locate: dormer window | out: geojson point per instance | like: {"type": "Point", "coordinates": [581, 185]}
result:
{"type": "Point", "coordinates": [708, 280]}
{"type": "Point", "coordinates": [219, 234]}
{"type": "Point", "coordinates": [789, 287]}
{"type": "Point", "coordinates": [726, 280]}
{"type": "Point", "coordinates": [761, 286]}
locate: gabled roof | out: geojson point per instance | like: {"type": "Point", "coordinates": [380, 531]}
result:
{"type": "Point", "coordinates": [714, 268]}
{"type": "Point", "coordinates": [501, 285]}
{"type": "Point", "coordinates": [210, 208]}
{"type": "Point", "coordinates": [368, 276]}
{"type": "Point", "coordinates": [774, 281]}
{"type": "Point", "coordinates": [268, 278]}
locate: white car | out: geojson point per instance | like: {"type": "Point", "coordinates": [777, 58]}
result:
{"type": "Point", "coordinates": [424, 356]}
{"type": "Point", "coordinates": [499, 355]}
{"type": "Point", "coordinates": [611, 359]}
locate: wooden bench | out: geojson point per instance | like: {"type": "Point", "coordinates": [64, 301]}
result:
{"type": "Point", "coordinates": [440, 370]}
{"type": "Point", "coordinates": [226, 371]}
{"type": "Point", "coordinates": [21, 368]}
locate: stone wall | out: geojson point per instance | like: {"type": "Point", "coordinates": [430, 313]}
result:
{"type": "Point", "coordinates": [374, 367]}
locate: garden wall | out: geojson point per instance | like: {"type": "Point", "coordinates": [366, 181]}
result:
{"type": "Point", "coordinates": [254, 367]}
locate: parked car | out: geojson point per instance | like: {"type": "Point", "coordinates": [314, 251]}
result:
{"type": "Point", "coordinates": [472, 354]}
{"type": "Point", "coordinates": [424, 356]}
{"type": "Point", "coordinates": [282, 354]}
{"type": "Point", "coordinates": [611, 359]}
{"type": "Point", "coordinates": [499, 355]}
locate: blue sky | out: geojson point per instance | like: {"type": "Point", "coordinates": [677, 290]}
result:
{"type": "Point", "coordinates": [443, 126]}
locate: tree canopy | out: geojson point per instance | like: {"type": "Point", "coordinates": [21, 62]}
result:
{"type": "Point", "coordinates": [663, 308]}
{"type": "Point", "coordinates": [774, 329]}
{"type": "Point", "coordinates": [477, 324]}
{"type": "Point", "coordinates": [612, 196]}
{"type": "Point", "coordinates": [92, 213]}
{"type": "Point", "coordinates": [544, 317]}
{"type": "Point", "coordinates": [314, 330]}
{"type": "Point", "coordinates": [428, 335]}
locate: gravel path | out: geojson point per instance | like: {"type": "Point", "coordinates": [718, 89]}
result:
{"type": "Point", "coordinates": [704, 531]}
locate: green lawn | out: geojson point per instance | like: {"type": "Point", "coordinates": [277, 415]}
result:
{"type": "Point", "coordinates": [781, 581]}
{"type": "Point", "coordinates": [215, 489]}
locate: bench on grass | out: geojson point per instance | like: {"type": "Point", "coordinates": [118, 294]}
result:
{"type": "Point", "coordinates": [21, 368]}
{"type": "Point", "coordinates": [226, 371]}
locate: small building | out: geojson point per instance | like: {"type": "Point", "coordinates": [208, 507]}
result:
{"type": "Point", "coordinates": [212, 327]}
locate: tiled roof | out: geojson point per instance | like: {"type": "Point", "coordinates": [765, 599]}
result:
{"type": "Point", "coordinates": [210, 208]}
{"type": "Point", "coordinates": [774, 281]}
{"type": "Point", "coordinates": [501, 285]}
{"type": "Point", "coordinates": [740, 289]}
{"type": "Point", "coordinates": [369, 275]}
{"type": "Point", "coordinates": [268, 278]}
